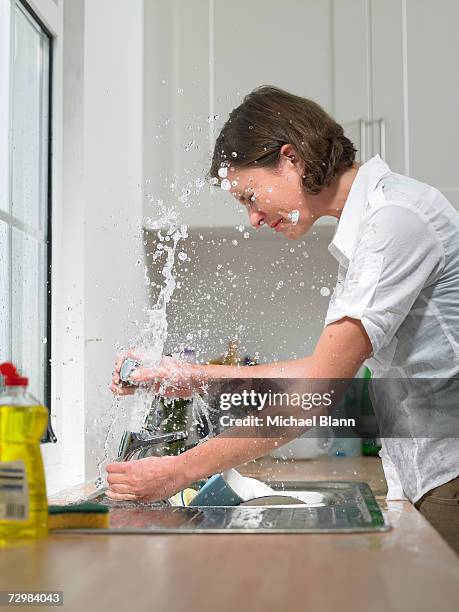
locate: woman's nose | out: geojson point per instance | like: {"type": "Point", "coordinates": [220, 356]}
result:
{"type": "Point", "coordinates": [256, 218]}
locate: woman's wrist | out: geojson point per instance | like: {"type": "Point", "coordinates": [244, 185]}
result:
{"type": "Point", "coordinates": [188, 470]}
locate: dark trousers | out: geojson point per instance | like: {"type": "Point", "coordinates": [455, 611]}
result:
{"type": "Point", "coordinates": [440, 507]}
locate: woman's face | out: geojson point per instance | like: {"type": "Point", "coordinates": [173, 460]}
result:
{"type": "Point", "coordinates": [274, 197]}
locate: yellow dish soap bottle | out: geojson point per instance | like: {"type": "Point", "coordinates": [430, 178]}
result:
{"type": "Point", "coordinates": [23, 502]}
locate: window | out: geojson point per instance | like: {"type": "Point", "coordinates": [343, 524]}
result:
{"type": "Point", "coordinates": [25, 251]}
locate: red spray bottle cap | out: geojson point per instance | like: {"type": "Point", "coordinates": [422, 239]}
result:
{"type": "Point", "coordinates": [11, 376]}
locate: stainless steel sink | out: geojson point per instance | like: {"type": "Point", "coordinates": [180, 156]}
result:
{"type": "Point", "coordinates": [337, 507]}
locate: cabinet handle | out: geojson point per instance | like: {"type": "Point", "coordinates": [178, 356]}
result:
{"type": "Point", "coordinates": [382, 138]}
{"type": "Point", "coordinates": [363, 141]}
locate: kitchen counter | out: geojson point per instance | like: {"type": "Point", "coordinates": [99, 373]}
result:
{"type": "Point", "coordinates": [407, 568]}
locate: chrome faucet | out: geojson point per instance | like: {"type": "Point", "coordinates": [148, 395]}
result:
{"type": "Point", "coordinates": [140, 443]}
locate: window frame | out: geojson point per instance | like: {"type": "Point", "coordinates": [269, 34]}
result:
{"type": "Point", "coordinates": [10, 220]}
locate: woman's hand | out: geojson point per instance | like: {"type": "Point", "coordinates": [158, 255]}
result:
{"type": "Point", "coordinates": [170, 378]}
{"type": "Point", "coordinates": [116, 386]}
{"type": "Point", "coordinates": [147, 479]}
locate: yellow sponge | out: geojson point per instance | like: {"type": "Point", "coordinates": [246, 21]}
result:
{"type": "Point", "coordinates": [78, 516]}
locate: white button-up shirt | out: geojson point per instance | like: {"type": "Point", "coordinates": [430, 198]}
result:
{"type": "Point", "coordinates": [397, 243]}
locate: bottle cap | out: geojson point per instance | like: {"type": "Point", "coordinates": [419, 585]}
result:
{"type": "Point", "coordinates": [11, 376]}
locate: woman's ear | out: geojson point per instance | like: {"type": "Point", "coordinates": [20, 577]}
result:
{"type": "Point", "coordinates": [288, 155]}
{"type": "Point", "coordinates": [288, 151]}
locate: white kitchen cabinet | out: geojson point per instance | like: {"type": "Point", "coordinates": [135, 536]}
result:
{"type": "Point", "coordinates": [176, 108]}
{"type": "Point", "coordinates": [396, 60]}
{"type": "Point", "coordinates": [201, 58]}
{"type": "Point", "coordinates": [432, 93]}
{"type": "Point", "coordinates": [363, 60]}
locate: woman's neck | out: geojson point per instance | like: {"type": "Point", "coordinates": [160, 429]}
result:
{"type": "Point", "coordinates": [331, 200]}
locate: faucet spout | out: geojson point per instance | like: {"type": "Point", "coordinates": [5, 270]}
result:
{"type": "Point", "coordinates": [133, 443]}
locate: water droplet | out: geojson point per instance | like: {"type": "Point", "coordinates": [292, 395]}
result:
{"type": "Point", "coordinates": [44, 340]}
{"type": "Point", "coordinates": [325, 291]}
{"type": "Point", "coordinates": [294, 215]}
{"type": "Point", "coordinates": [280, 284]}
{"type": "Point", "coordinates": [240, 228]}
{"type": "Point", "coordinates": [234, 154]}
{"type": "Point", "coordinates": [199, 183]}
{"type": "Point", "coordinates": [182, 256]}
{"type": "Point", "coordinates": [183, 198]}
{"type": "Point", "coordinates": [225, 185]}
{"type": "Point", "coordinates": [234, 242]}
{"type": "Point", "coordinates": [223, 172]}
{"type": "Point", "coordinates": [246, 235]}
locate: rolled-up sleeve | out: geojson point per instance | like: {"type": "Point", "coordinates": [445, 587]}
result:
{"type": "Point", "coordinates": [397, 255]}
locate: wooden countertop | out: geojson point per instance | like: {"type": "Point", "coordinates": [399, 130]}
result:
{"type": "Point", "coordinates": [409, 568]}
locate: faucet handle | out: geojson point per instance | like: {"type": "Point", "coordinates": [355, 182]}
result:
{"type": "Point", "coordinates": [127, 367]}
{"type": "Point", "coordinates": [133, 442]}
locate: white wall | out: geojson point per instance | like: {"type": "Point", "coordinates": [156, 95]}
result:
{"type": "Point", "coordinates": [98, 276]}
{"type": "Point", "coordinates": [114, 291]}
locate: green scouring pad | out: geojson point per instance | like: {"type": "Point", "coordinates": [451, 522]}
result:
{"type": "Point", "coordinates": [78, 516]}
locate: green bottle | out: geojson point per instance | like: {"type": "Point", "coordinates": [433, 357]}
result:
{"type": "Point", "coordinates": [371, 445]}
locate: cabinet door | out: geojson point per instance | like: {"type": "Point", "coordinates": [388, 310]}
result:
{"type": "Point", "coordinates": [201, 58]}
{"type": "Point", "coordinates": [387, 71]}
{"type": "Point", "coordinates": [352, 75]}
{"type": "Point", "coordinates": [415, 87]}
{"type": "Point", "coordinates": [432, 91]}
{"type": "Point", "coordinates": [351, 62]}
{"type": "Point", "coordinates": [176, 141]}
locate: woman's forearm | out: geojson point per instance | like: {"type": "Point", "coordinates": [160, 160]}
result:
{"type": "Point", "coordinates": [340, 352]}
{"type": "Point", "coordinates": [296, 368]}
{"type": "Point", "coordinates": [222, 453]}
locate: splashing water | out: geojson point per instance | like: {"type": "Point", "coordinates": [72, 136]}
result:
{"type": "Point", "coordinates": [108, 436]}
{"type": "Point", "coordinates": [294, 216]}
{"type": "Point", "coordinates": [152, 337]}
{"type": "Point", "coordinates": [200, 413]}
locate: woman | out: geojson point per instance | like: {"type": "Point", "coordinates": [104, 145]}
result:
{"type": "Point", "coordinates": [394, 305]}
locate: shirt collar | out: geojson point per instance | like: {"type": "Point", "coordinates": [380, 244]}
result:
{"type": "Point", "coordinates": [346, 235]}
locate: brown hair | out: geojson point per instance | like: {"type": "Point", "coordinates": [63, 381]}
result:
{"type": "Point", "coordinates": [270, 117]}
